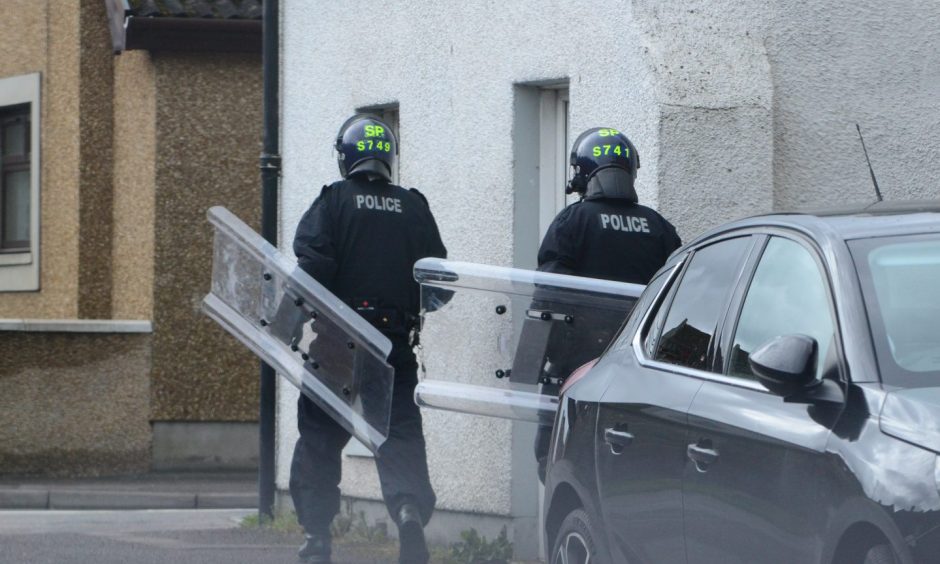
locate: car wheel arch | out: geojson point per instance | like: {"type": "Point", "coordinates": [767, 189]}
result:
{"type": "Point", "coordinates": [564, 500]}
{"type": "Point", "coordinates": [858, 525]}
{"type": "Point", "coordinates": [856, 541]}
{"type": "Point", "coordinates": [564, 494]}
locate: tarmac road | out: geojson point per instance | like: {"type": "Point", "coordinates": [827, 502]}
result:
{"type": "Point", "coordinates": [203, 536]}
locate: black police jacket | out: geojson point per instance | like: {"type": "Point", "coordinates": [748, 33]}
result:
{"type": "Point", "coordinates": [608, 238]}
{"type": "Point", "coordinates": [601, 237]}
{"type": "Point", "coordinates": [361, 238]}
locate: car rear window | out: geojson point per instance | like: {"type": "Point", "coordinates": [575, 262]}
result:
{"type": "Point", "coordinates": [900, 278]}
{"type": "Point", "coordinates": [701, 297]}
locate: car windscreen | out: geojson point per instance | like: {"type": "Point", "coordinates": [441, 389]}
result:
{"type": "Point", "coordinates": [900, 278]}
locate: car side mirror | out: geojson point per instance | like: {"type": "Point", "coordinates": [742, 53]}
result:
{"type": "Point", "coordinates": [787, 361]}
{"type": "Point", "coordinates": [786, 365]}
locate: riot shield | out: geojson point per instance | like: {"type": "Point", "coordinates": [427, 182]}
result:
{"type": "Point", "coordinates": [303, 331]}
{"type": "Point", "coordinates": [528, 330]}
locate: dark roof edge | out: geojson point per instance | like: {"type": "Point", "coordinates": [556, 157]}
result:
{"type": "Point", "coordinates": [192, 34]}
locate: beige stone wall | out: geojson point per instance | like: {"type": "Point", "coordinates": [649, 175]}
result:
{"type": "Point", "coordinates": [74, 404]}
{"type": "Point", "coordinates": [46, 39]}
{"type": "Point", "coordinates": [208, 141]}
{"type": "Point", "coordinates": [134, 173]}
{"type": "Point", "coordinates": [23, 38]}
{"type": "Point", "coordinates": [69, 43]}
{"type": "Point", "coordinates": [135, 149]}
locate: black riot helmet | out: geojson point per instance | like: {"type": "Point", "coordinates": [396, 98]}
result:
{"type": "Point", "coordinates": [366, 144]}
{"type": "Point", "coordinates": [605, 164]}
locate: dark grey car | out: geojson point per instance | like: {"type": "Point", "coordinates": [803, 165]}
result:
{"type": "Point", "coordinates": [773, 398]}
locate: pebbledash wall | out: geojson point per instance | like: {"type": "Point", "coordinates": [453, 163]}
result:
{"type": "Point", "coordinates": [736, 109]}
{"type": "Point", "coordinates": [104, 368]}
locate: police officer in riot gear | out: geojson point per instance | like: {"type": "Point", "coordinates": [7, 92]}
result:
{"type": "Point", "coordinates": [606, 235]}
{"type": "Point", "coordinates": [360, 239]}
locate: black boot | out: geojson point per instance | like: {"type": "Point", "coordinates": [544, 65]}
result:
{"type": "Point", "coordinates": [413, 548]}
{"type": "Point", "coordinates": [315, 550]}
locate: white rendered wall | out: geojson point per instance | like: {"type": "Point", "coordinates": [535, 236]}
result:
{"type": "Point", "coordinates": [735, 107]}
{"type": "Point", "coordinates": [451, 69]}
{"type": "Point", "coordinates": [838, 63]}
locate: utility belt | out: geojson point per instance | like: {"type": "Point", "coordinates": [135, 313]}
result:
{"type": "Point", "coordinates": [391, 320]}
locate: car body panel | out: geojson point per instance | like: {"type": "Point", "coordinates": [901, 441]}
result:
{"type": "Point", "coordinates": [793, 482]}
{"type": "Point", "coordinates": [754, 503]}
{"type": "Point", "coordinates": [910, 415]}
{"type": "Point", "coordinates": [639, 480]}
{"type": "Point", "coordinates": [869, 477]}
{"type": "Point", "coordinates": [571, 483]}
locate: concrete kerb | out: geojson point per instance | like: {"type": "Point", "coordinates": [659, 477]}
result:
{"type": "Point", "coordinates": [24, 499]}
{"type": "Point", "coordinates": [83, 499]}
{"type": "Point", "coordinates": [146, 492]}
{"type": "Point", "coordinates": [119, 500]}
{"type": "Point", "coordinates": [226, 501]}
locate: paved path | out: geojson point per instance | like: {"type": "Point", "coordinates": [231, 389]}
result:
{"type": "Point", "coordinates": [207, 536]}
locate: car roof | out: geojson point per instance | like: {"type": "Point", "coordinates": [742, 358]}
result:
{"type": "Point", "coordinates": [877, 219]}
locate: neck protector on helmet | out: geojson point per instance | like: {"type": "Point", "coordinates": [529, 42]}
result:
{"type": "Point", "coordinates": [611, 182]}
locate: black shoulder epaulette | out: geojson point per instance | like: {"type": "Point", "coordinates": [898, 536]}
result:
{"type": "Point", "coordinates": [420, 195]}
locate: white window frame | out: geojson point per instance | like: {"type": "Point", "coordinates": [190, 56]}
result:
{"type": "Point", "coordinates": [554, 145]}
{"type": "Point", "coordinates": [19, 271]}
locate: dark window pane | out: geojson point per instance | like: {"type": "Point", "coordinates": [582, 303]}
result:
{"type": "Point", "coordinates": [787, 296]}
{"type": "Point", "coordinates": [700, 299]}
{"type": "Point", "coordinates": [14, 138]}
{"type": "Point", "coordinates": [899, 277]}
{"type": "Point", "coordinates": [14, 177]}
{"type": "Point", "coordinates": [652, 338]}
{"type": "Point", "coordinates": [906, 279]}
{"type": "Point", "coordinates": [16, 209]}
{"type": "Point", "coordinates": [649, 294]}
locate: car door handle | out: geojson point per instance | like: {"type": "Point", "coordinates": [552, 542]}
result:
{"type": "Point", "coordinates": [702, 455]}
{"type": "Point", "coordinates": [617, 439]}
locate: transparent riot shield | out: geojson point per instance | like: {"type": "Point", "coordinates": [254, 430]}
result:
{"type": "Point", "coordinates": [298, 327]}
{"type": "Point", "coordinates": [510, 336]}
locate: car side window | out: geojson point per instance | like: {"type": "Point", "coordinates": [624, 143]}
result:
{"type": "Point", "coordinates": [788, 295]}
{"type": "Point", "coordinates": [699, 300]}
{"type": "Point", "coordinates": [648, 295]}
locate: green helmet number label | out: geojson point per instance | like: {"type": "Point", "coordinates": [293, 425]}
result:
{"type": "Point", "coordinates": [370, 145]}
{"type": "Point", "coordinates": [375, 131]}
{"type": "Point", "coordinates": [618, 149]}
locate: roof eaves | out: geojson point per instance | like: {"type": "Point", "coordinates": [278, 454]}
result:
{"type": "Point", "coordinates": [193, 34]}
{"type": "Point", "coordinates": [185, 25]}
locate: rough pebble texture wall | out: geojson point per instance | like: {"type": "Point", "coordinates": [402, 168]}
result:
{"type": "Point", "coordinates": [46, 39]}
{"type": "Point", "coordinates": [738, 184]}
{"type": "Point", "coordinates": [135, 141]}
{"type": "Point", "coordinates": [835, 64]}
{"type": "Point", "coordinates": [23, 38]}
{"type": "Point", "coordinates": [713, 107]}
{"type": "Point", "coordinates": [208, 138]}
{"type": "Point", "coordinates": [74, 404]}
{"type": "Point", "coordinates": [96, 196]}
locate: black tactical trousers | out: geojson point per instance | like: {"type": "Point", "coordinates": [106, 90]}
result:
{"type": "Point", "coordinates": [316, 468]}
